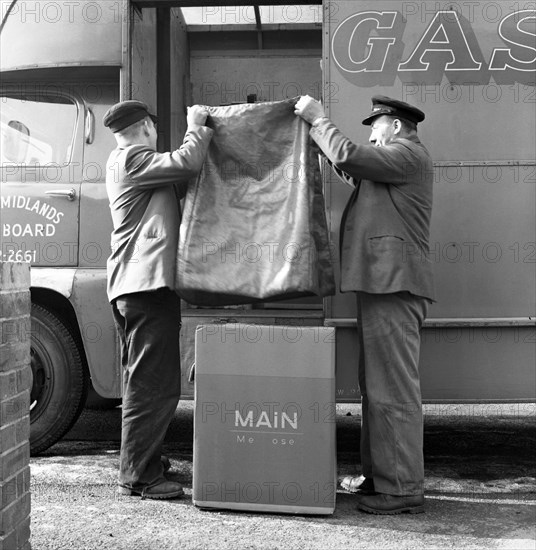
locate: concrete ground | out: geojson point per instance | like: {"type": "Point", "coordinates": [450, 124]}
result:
{"type": "Point", "coordinates": [480, 492]}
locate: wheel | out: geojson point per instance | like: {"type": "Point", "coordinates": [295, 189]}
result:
{"type": "Point", "coordinates": [60, 380]}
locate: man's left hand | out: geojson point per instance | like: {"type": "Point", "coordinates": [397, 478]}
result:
{"type": "Point", "coordinates": [309, 109]}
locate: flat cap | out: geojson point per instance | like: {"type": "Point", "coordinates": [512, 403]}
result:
{"type": "Point", "coordinates": [125, 113]}
{"type": "Point", "coordinates": [383, 105]}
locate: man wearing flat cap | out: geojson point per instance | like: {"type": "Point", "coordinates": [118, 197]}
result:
{"type": "Point", "coordinates": [144, 188]}
{"type": "Point", "coordinates": [385, 261]}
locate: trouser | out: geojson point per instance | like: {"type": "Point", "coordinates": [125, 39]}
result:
{"type": "Point", "coordinates": [388, 328]}
{"type": "Point", "coordinates": [148, 324]}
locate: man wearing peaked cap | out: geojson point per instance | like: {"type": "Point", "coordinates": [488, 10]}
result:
{"type": "Point", "coordinates": [383, 105]}
{"type": "Point", "coordinates": [384, 252]}
{"type": "Point", "coordinates": [144, 188]}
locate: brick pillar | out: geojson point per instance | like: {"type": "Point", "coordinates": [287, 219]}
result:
{"type": "Point", "coordinates": [15, 385]}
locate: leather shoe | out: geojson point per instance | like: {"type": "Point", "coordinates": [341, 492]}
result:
{"type": "Point", "coordinates": [161, 490]}
{"type": "Point", "coordinates": [358, 484]}
{"type": "Point", "coordinates": [383, 504]}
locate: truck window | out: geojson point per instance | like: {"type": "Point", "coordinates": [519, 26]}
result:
{"type": "Point", "coordinates": [36, 130]}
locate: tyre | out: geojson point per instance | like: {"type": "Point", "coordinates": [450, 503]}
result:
{"type": "Point", "coordinates": [60, 379]}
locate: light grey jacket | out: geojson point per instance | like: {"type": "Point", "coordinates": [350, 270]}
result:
{"type": "Point", "coordinates": [144, 188]}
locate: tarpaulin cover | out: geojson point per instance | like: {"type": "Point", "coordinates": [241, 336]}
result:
{"type": "Point", "coordinates": [254, 225]}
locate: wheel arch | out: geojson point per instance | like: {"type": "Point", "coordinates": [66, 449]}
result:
{"type": "Point", "coordinates": [62, 307]}
{"type": "Point", "coordinates": [97, 352]}
{"type": "Point", "coordinates": [58, 304]}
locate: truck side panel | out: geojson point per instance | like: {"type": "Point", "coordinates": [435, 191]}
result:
{"type": "Point", "coordinates": [98, 332]}
{"type": "Point", "coordinates": [473, 73]}
{"type": "Point", "coordinates": [53, 25]}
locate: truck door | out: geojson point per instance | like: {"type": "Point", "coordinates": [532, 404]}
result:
{"type": "Point", "coordinates": [41, 163]}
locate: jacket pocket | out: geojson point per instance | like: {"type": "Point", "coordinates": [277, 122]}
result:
{"type": "Point", "coordinates": [386, 244]}
{"type": "Point", "coordinates": [385, 239]}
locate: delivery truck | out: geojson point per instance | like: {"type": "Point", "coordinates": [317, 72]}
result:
{"type": "Point", "coordinates": [470, 66]}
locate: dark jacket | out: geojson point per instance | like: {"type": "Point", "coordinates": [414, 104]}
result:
{"type": "Point", "coordinates": [144, 188]}
{"type": "Point", "coordinates": [385, 227]}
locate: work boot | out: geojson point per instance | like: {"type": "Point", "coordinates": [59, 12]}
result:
{"type": "Point", "coordinates": [162, 490]}
{"type": "Point", "coordinates": [383, 504]}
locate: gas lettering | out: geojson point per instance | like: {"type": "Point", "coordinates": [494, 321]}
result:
{"type": "Point", "coordinates": [374, 48]}
{"type": "Point", "coordinates": [521, 55]}
{"type": "Point", "coordinates": [443, 45]}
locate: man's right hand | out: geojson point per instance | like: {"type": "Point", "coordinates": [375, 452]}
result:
{"type": "Point", "coordinates": [196, 115]}
{"type": "Point", "coordinates": [309, 109]}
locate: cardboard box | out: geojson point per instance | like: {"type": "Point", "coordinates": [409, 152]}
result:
{"type": "Point", "coordinates": [264, 424]}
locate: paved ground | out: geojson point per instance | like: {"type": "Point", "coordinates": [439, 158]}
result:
{"type": "Point", "coordinates": [480, 492]}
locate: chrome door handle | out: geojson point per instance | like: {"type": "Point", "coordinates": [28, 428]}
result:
{"type": "Point", "coordinates": [70, 194]}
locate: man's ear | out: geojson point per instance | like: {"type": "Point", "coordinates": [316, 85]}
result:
{"type": "Point", "coordinates": [146, 132]}
{"type": "Point", "coordinates": [397, 126]}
